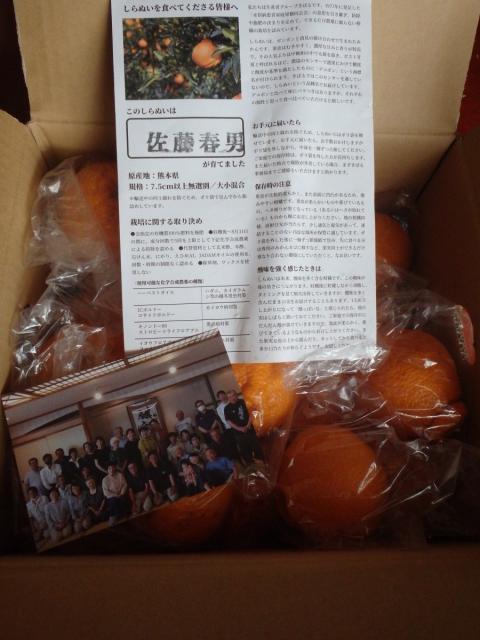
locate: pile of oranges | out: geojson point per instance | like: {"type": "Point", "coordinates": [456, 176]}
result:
{"type": "Point", "coordinates": [332, 482]}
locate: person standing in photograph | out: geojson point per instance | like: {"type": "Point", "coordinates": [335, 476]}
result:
{"type": "Point", "coordinates": [192, 479]}
{"type": "Point", "coordinates": [160, 433]}
{"type": "Point", "coordinates": [115, 490]}
{"type": "Point", "coordinates": [117, 454]}
{"type": "Point", "coordinates": [180, 456]}
{"type": "Point", "coordinates": [57, 514]}
{"type": "Point", "coordinates": [138, 490]}
{"type": "Point", "coordinates": [229, 433]}
{"type": "Point", "coordinates": [88, 459]}
{"type": "Point", "coordinates": [77, 502]}
{"type": "Point", "coordinates": [132, 452]}
{"type": "Point", "coordinates": [222, 402]}
{"type": "Point", "coordinates": [73, 463]}
{"type": "Point", "coordinates": [147, 444]}
{"type": "Point", "coordinates": [85, 475]}
{"type": "Point", "coordinates": [64, 489]}
{"type": "Point", "coordinates": [102, 456]}
{"type": "Point", "coordinates": [206, 419]}
{"type": "Point", "coordinates": [183, 422]}
{"type": "Point", "coordinates": [173, 444]}
{"type": "Point", "coordinates": [118, 433]}
{"type": "Point", "coordinates": [36, 512]}
{"type": "Point", "coordinates": [50, 472]}
{"type": "Point", "coordinates": [219, 442]}
{"type": "Point", "coordinates": [198, 447]}
{"type": "Point", "coordinates": [185, 441]}
{"type": "Point", "coordinates": [64, 463]}
{"type": "Point", "coordinates": [237, 414]}
{"type": "Point", "coordinates": [96, 502]}
{"type": "Point", "coordinates": [218, 470]}
{"type": "Point", "coordinates": [33, 478]}
{"type": "Point", "coordinates": [161, 480]}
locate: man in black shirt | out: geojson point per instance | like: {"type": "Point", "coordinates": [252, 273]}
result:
{"type": "Point", "coordinates": [64, 465]}
{"type": "Point", "coordinates": [206, 419]}
{"type": "Point", "coordinates": [160, 479]}
{"type": "Point", "coordinates": [238, 417]}
{"type": "Point", "coordinates": [138, 489]}
{"type": "Point", "coordinates": [132, 452]}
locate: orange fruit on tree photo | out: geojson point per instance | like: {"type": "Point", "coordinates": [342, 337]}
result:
{"type": "Point", "coordinates": [142, 43]}
{"type": "Point", "coordinates": [392, 242]}
{"type": "Point", "coordinates": [419, 384]}
{"type": "Point", "coordinates": [203, 54]}
{"type": "Point", "coordinates": [330, 483]}
{"type": "Point", "coordinates": [179, 79]}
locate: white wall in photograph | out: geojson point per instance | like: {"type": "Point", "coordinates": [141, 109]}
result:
{"type": "Point", "coordinates": [223, 380]}
{"type": "Point", "coordinates": [182, 396]}
{"type": "Point", "coordinates": [102, 424]}
{"type": "Point", "coordinates": [73, 437]}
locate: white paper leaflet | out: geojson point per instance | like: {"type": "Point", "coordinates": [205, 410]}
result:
{"type": "Point", "coordinates": [245, 158]}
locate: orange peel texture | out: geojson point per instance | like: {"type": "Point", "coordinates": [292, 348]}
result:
{"type": "Point", "coordinates": [190, 521]}
{"type": "Point", "coordinates": [419, 383]}
{"type": "Point", "coordinates": [266, 394]}
{"type": "Point", "coordinates": [331, 483]}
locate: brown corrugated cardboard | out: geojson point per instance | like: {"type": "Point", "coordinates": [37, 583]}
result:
{"type": "Point", "coordinates": [421, 50]}
{"type": "Point", "coordinates": [447, 254]}
{"type": "Point", "coordinates": [283, 596]}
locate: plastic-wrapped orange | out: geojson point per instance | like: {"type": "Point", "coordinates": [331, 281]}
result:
{"type": "Point", "coordinates": [72, 348]}
{"type": "Point", "coordinates": [419, 383]}
{"type": "Point", "coordinates": [266, 394]}
{"type": "Point", "coordinates": [97, 188]}
{"type": "Point", "coordinates": [392, 241]}
{"type": "Point", "coordinates": [331, 484]}
{"type": "Point", "coordinates": [190, 521]}
{"type": "Point", "coordinates": [203, 54]}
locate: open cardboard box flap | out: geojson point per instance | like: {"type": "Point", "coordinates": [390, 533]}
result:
{"type": "Point", "coordinates": [421, 53]}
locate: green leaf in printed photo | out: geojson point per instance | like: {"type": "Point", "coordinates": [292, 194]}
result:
{"type": "Point", "coordinates": [182, 58]}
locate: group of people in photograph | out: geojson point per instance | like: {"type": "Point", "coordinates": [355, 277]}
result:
{"type": "Point", "coordinates": [135, 472]}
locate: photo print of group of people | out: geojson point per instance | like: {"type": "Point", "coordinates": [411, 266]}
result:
{"type": "Point", "coordinates": [131, 436]}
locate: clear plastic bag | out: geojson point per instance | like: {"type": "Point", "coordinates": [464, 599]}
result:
{"type": "Point", "coordinates": [368, 457]}
{"type": "Point", "coordinates": [353, 439]}
{"type": "Point", "coordinates": [75, 217]}
{"type": "Point", "coordinates": [77, 321]}
{"type": "Point", "coordinates": [340, 485]}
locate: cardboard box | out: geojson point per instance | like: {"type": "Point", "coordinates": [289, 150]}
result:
{"type": "Point", "coordinates": [421, 53]}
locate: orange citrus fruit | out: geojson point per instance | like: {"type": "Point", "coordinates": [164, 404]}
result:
{"type": "Point", "coordinates": [203, 54]}
{"type": "Point", "coordinates": [392, 242]}
{"type": "Point", "coordinates": [166, 42]}
{"type": "Point", "coordinates": [179, 79]}
{"type": "Point", "coordinates": [98, 190]}
{"type": "Point", "coordinates": [237, 97]}
{"type": "Point", "coordinates": [330, 483]}
{"type": "Point", "coordinates": [129, 22]}
{"type": "Point", "coordinates": [241, 372]}
{"type": "Point", "coordinates": [142, 43]}
{"type": "Point", "coordinates": [266, 394]}
{"type": "Point", "coordinates": [189, 521]}
{"type": "Point", "coordinates": [419, 383]}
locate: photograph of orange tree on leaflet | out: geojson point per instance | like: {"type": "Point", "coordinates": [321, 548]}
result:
{"type": "Point", "coordinates": [182, 58]}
